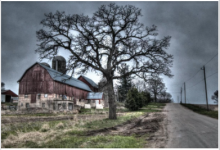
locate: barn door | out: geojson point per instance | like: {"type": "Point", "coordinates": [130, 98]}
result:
{"type": "Point", "coordinates": [33, 98]}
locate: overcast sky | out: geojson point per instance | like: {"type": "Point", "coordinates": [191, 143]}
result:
{"type": "Point", "coordinates": [192, 25]}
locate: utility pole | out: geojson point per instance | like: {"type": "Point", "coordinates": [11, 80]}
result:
{"type": "Point", "coordinates": [203, 68]}
{"type": "Point", "coordinates": [185, 91]}
{"type": "Point", "coordinates": [181, 95]}
{"type": "Point", "coordinates": [178, 99]}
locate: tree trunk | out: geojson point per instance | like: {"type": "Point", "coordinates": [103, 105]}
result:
{"type": "Point", "coordinates": [155, 97]}
{"type": "Point", "coordinates": [111, 100]}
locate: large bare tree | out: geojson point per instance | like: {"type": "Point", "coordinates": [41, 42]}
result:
{"type": "Point", "coordinates": [156, 86]}
{"type": "Point", "coordinates": [112, 36]}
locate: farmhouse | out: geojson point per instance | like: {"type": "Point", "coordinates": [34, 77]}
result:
{"type": "Point", "coordinates": [8, 96]}
{"type": "Point", "coordinates": [43, 87]}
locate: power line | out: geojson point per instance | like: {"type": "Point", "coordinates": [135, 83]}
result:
{"type": "Point", "coordinates": [211, 74]}
{"type": "Point", "coordinates": [212, 58]}
{"type": "Point", "coordinates": [193, 75]}
{"type": "Point", "coordinates": [195, 84]}
{"type": "Point", "coordinates": [202, 79]}
{"type": "Point", "coordinates": [200, 69]}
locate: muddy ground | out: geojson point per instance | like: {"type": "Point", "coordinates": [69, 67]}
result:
{"type": "Point", "coordinates": [152, 124]}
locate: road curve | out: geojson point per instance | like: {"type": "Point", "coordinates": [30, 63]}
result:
{"type": "Point", "coordinates": [187, 129]}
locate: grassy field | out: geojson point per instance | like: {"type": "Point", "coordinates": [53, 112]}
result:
{"type": "Point", "coordinates": [203, 111]}
{"type": "Point", "coordinates": [72, 133]}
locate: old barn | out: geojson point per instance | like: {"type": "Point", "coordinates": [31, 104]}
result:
{"type": "Point", "coordinates": [44, 87]}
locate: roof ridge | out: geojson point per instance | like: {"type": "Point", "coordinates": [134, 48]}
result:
{"type": "Point", "coordinates": [90, 80]}
{"type": "Point", "coordinates": [65, 76]}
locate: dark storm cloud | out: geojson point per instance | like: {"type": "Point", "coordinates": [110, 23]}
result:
{"type": "Point", "coordinates": [192, 25]}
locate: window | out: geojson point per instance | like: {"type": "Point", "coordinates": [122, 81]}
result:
{"type": "Point", "coordinates": [89, 101]}
{"type": "Point", "coordinates": [64, 97]}
{"type": "Point", "coordinates": [43, 105]}
{"type": "Point", "coordinates": [27, 105]}
{"type": "Point", "coordinates": [21, 104]}
{"type": "Point", "coordinates": [79, 100]}
{"type": "Point", "coordinates": [64, 105]}
{"type": "Point", "coordinates": [70, 106]}
{"type": "Point", "coordinates": [25, 96]}
{"type": "Point", "coordinates": [61, 96]}
{"type": "Point", "coordinates": [73, 98]}
{"type": "Point", "coordinates": [45, 95]}
{"type": "Point", "coordinates": [59, 107]}
{"type": "Point", "coordinates": [38, 96]}
{"type": "Point", "coordinates": [54, 106]}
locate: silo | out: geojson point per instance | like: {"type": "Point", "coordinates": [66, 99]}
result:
{"type": "Point", "coordinates": [59, 64]}
{"type": "Point", "coordinates": [3, 86]}
{"type": "Point", "coordinates": [45, 64]}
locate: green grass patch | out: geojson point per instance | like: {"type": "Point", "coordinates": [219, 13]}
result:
{"type": "Point", "coordinates": [94, 111]}
{"type": "Point", "coordinates": [203, 111]}
{"type": "Point", "coordinates": [70, 141]}
{"type": "Point", "coordinates": [106, 123]}
{"type": "Point", "coordinates": [9, 104]}
{"type": "Point", "coordinates": [19, 127]}
{"type": "Point", "coordinates": [27, 127]}
{"type": "Point", "coordinates": [155, 105]}
{"type": "Point", "coordinates": [36, 114]}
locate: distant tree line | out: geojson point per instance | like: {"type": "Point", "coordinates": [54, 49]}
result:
{"type": "Point", "coordinates": [137, 94]}
{"type": "Point", "coordinates": [215, 97]}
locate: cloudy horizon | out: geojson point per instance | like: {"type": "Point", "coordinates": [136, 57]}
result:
{"type": "Point", "coordinates": [193, 27]}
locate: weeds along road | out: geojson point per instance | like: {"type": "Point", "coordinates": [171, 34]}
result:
{"type": "Point", "coordinates": [187, 129]}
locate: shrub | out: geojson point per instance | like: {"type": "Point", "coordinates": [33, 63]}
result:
{"type": "Point", "coordinates": [133, 100]}
{"type": "Point", "coordinates": [145, 95]}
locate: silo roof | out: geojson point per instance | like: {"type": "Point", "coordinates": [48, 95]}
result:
{"type": "Point", "coordinates": [61, 58]}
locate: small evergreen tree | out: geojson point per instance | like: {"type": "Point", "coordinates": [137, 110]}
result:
{"type": "Point", "coordinates": [125, 83]}
{"type": "Point", "coordinates": [131, 100]}
{"type": "Point", "coordinates": [140, 100]}
{"type": "Point", "coordinates": [134, 100]}
{"type": "Point", "coordinates": [146, 98]}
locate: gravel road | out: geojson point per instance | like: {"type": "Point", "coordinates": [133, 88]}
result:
{"type": "Point", "coordinates": [187, 129]}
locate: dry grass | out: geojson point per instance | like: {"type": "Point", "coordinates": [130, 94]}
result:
{"type": "Point", "coordinates": [65, 133]}
{"type": "Point", "coordinates": [48, 131]}
{"type": "Point", "coordinates": [45, 127]}
{"type": "Point", "coordinates": [59, 126]}
{"type": "Point", "coordinates": [17, 141]}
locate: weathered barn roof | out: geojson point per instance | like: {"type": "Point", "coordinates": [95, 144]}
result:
{"type": "Point", "coordinates": [97, 95]}
{"type": "Point", "coordinates": [46, 64]}
{"type": "Point", "coordinates": [63, 78]}
{"type": "Point", "coordinates": [90, 82]}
